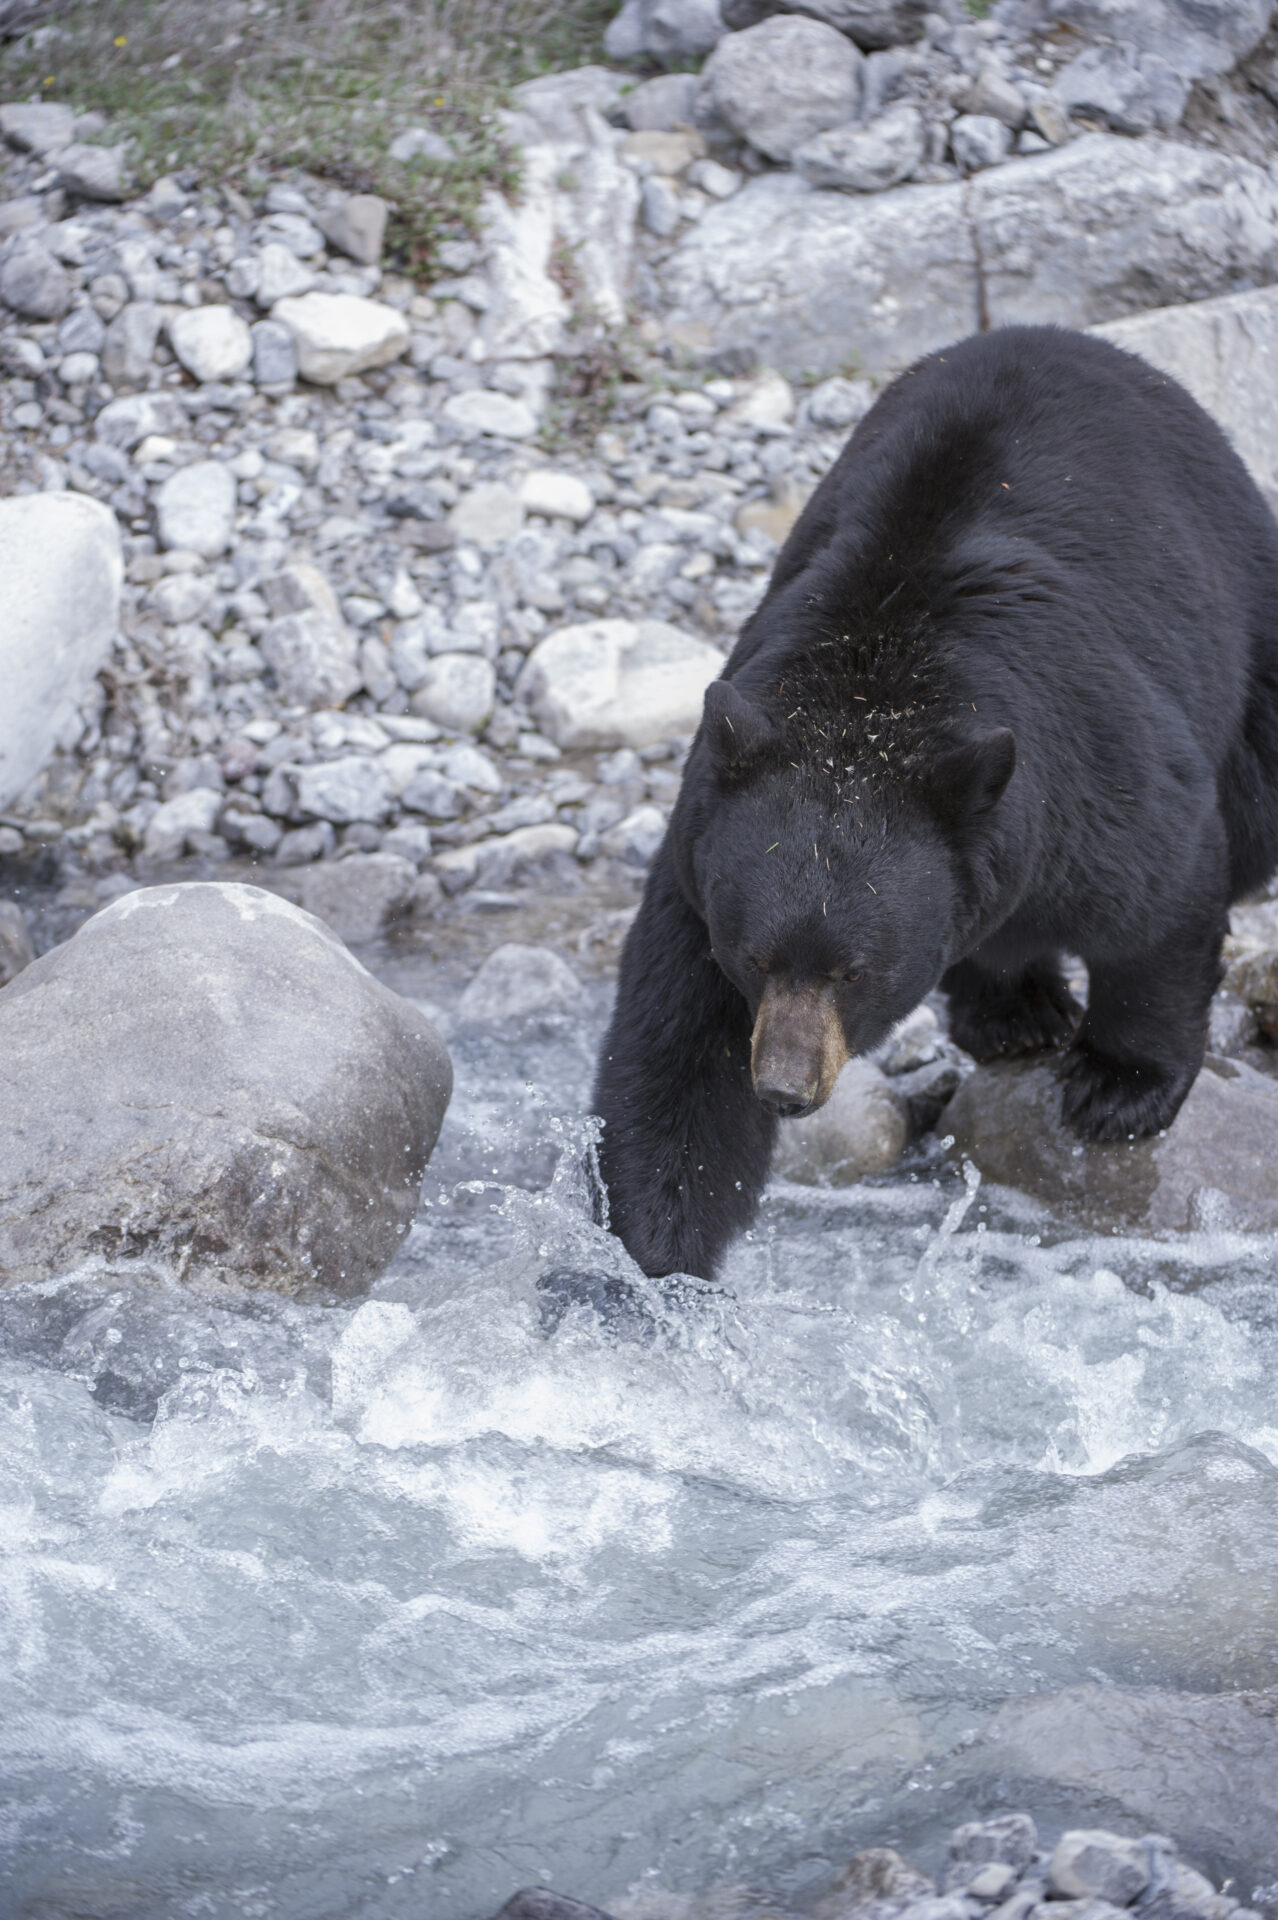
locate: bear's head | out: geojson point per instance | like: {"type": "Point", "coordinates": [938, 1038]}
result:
{"type": "Point", "coordinates": [839, 870]}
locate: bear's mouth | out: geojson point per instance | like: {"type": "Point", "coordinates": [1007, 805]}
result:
{"type": "Point", "coordinates": [798, 1047]}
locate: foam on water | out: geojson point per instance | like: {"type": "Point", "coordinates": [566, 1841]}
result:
{"type": "Point", "coordinates": [389, 1608]}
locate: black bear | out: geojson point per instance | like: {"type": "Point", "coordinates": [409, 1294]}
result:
{"type": "Point", "coordinates": [1012, 691]}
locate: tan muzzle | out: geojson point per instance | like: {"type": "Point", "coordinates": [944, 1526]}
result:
{"type": "Point", "coordinates": [797, 1048]}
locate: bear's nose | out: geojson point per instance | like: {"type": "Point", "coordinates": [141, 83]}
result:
{"type": "Point", "coordinates": [786, 1097]}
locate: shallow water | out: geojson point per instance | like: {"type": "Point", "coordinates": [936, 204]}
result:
{"type": "Point", "coordinates": [389, 1608]}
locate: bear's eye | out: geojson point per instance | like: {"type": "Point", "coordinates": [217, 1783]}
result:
{"type": "Point", "coordinates": [848, 976]}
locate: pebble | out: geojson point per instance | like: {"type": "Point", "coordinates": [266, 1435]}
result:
{"type": "Point", "coordinates": [195, 508]}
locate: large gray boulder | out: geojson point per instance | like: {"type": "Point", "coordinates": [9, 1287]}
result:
{"type": "Point", "coordinates": [1217, 1164]}
{"type": "Point", "coordinates": [1103, 227]}
{"type": "Point", "coordinates": [1225, 351]}
{"type": "Point", "coordinates": [778, 84]}
{"type": "Point", "coordinates": [204, 1079]}
{"type": "Point", "coordinates": [1107, 226]}
{"type": "Point", "coordinates": [62, 568]}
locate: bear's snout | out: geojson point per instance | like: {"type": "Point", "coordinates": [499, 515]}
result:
{"type": "Point", "coordinates": [797, 1048]}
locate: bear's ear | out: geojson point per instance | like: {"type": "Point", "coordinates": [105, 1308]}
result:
{"type": "Point", "coordinates": [970, 779]}
{"type": "Point", "coordinates": [736, 731]}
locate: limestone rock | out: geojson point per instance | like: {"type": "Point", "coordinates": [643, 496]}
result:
{"type": "Point", "coordinates": [456, 691]}
{"type": "Point", "coordinates": [212, 343]}
{"type": "Point", "coordinates": [498, 414]}
{"type": "Point", "coordinates": [159, 1106]}
{"type": "Point", "coordinates": [360, 895]}
{"type": "Point", "coordinates": [556, 495]}
{"type": "Point", "coordinates": [661, 104]}
{"type": "Point", "coordinates": [38, 126]}
{"type": "Point", "coordinates": [979, 140]}
{"type": "Point", "coordinates": [1224, 351]}
{"type": "Point", "coordinates": [515, 981]}
{"type": "Point", "coordinates": [125, 422]}
{"type": "Point", "coordinates": [1217, 1162]}
{"type": "Point", "coordinates": [866, 159]}
{"type": "Point", "coordinates": [62, 567]}
{"type": "Point", "coordinates": [1107, 226]}
{"type": "Point", "coordinates": [617, 683]}
{"type": "Point", "coordinates": [804, 278]}
{"type": "Point", "coordinates": [781, 82]}
{"type": "Point", "coordinates": [1088, 1864]}
{"type": "Point", "coordinates": [34, 284]}
{"type": "Point", "coordinates": [1197, 39]}
{"type": "Point", "coordinates": [870, 23]}
{"type": "Point", "coordinates": [862, 1128]}
{"type": "Point", "coordinates": [171, 825]}
{"type": "Point", "coordinates": [95, 173]}
{"type": "Point", "coordinates": [16, 950]}
{"type": "Point", "coordinates": [195, 508]}
{"type": "Point", "coordinates": [488, 514]}
{"type": "Point", "coordinates": [315, 658]}
{"type": "Point", "coordinates": [356, 226]}
{"type": "Point", "coordinates": [1130, 92]}
{"type": "Point", "coordinates": [339, 334]}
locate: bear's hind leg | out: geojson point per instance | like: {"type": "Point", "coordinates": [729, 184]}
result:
{"type": "Point", "coordinates": [997, 1014]}
{"type": "Point", "coordinates": [1141, 1043]}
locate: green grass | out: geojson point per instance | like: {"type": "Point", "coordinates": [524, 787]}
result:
{"type": "Point", "coordinates": [244, 90]}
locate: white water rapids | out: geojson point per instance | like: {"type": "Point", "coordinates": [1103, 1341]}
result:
{"type": "Point", "coordinates": [388, 1608]}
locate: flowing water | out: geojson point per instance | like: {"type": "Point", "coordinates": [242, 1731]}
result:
{"type": "Point", "coordinates": [385, 1609]}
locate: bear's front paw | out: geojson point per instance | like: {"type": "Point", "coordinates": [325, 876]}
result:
{"type": "Point", "coordinates": [1040, 1015]}
{"type": "Point", "coordinates": [1107, 1099]}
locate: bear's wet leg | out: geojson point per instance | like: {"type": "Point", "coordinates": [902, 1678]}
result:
{"type": "Point", "coordinates": [996, 1014]}
{"type": "Point", "coordinates": [686, 1145]}
{"type": "Point", "coordinates": [1141, 1043]}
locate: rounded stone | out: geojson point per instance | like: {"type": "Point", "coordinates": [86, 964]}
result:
{"type": "Point", "coordinates": [780, 82]}
{"type": "Point", "coordinates": [457, 692]}
{"type": "Point", "coordinates": [195, 508]}
{"type": "Point", "coordinates": [212, 343]}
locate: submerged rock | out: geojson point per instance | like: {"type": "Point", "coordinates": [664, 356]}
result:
{"type": "Point", "coordinates": [1216, 1165]}
{"type": "Point", "coordinates": [204, 1079]}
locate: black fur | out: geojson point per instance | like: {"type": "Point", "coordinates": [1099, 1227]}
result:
{"type": "Point", "coordinates": [1013, 691]}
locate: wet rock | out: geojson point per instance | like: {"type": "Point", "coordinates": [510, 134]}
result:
{"type": "Point", "coordinates": [356, 226]}
{"type": "Point", "coordinates": [978, 140]}
{"type": "Point", "coordinates": [617, 683]}
{"type": "Point", "coordinates": [160, 1106]}
{"type": "Point", "coordinates": [360, 895]}
{"type": "Point", "coordinates": [1008, 1840]}
{"type": "Point", "coordinates": [61, 563]}
{"type": "Point", "coordinates": [34, 284]}
{"type": "Point", "coordinates": [16, 950]}
{"type": "Point", "coordinates": [339, 334]}
{"type": "Point", "coordinates": [1089, 1864]}
{"type": "Point", "coordinates": [95, 173]}
{"type": "Point", "coordinates": [862, 1128]}
{"type": "Point", "coordinates": [865, 159]}
{"type": "Point", "coordinates": [1222, 351]}
{"type": "Point", "coordinates": [1217, 1164]}
{"type": "Point", "coordinates": [515, 981]}
{"type": "Point", "coordinates": [877, 1873]}
{"type": "Point", "coordinates": [195, 508]}
{"type": "Point", "coordinates": [1130, 92]}
{"type": "Point", "coordinates": [779, 83]}
{"type": "Point", "coordinates": [212, 343]}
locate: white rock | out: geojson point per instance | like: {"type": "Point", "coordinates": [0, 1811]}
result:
{"type": "Point", "coordinates": [124, 423]}
{"type": "Point", "coordinates": [355, 787]}
{"type": "Point", "coordinates": [865, 159]}
{"type": "Point", "coordinates": [515, 981]}
{"type": "Point", "coordinates": [766, 402]}
{"type": "Point", "coordinates": [1225, 352]}
{"type": "Point", "coordinates": [39, 126]}
{"type": "Point", "coordinates": [339, 334]}
{"type": "Point", "coordinates": [492, 413]}
{"type": "Point", "coordinates": [839, 403]}
{"type": "Point", "coordinates": [212, 343]}
{"type": "Point", "coordinates": [488, 515]}
{"type": "Point", "coordinates": [62, 568]}
{"type": "Point", "coordinates": [457, 691]}
{"type": "Point", "coordinates": [169, 826]}
{"type": "Point", "coordinates": [617, 683]}
{"type": "Point", "coordinates": [195, 508]}
{"type": "Point", "coordinates": [862, 1128]}
{"type": "Point", "coordinates": [281, 275]}
{"type": "Point", "coordinates": [559, 496]}
{"type": "Point", "coordinates": [636, 838]}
